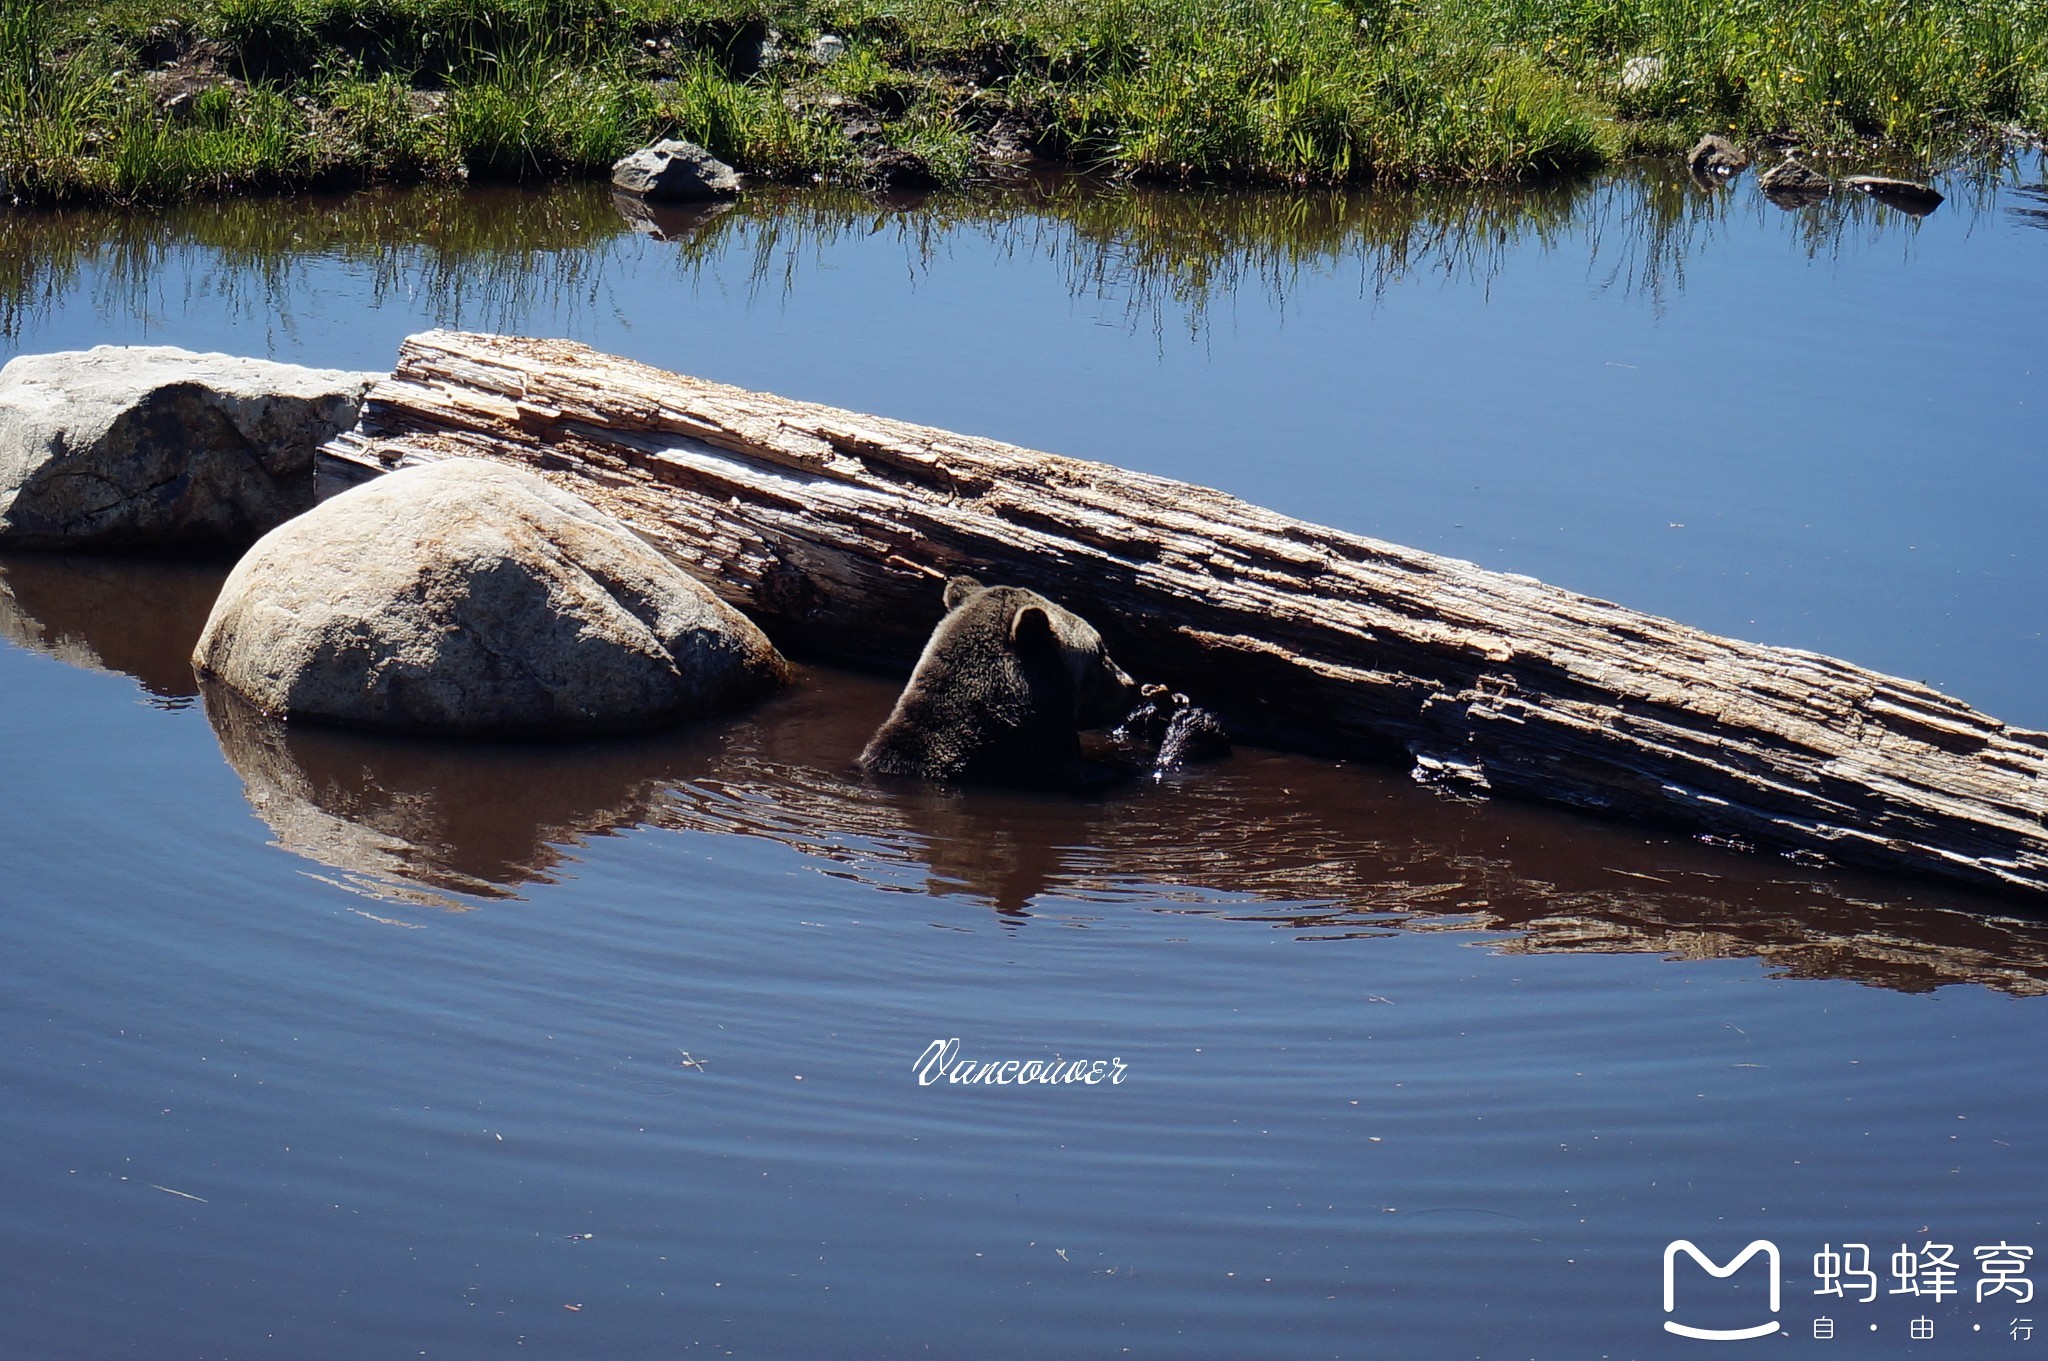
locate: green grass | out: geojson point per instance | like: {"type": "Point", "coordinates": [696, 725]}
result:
{"type": "Point", "coordinates": [528, 115]}
{"type": "Point", "coordinates": [1330, 92]}
{"type": "Point", "coordinates": [749, 123]}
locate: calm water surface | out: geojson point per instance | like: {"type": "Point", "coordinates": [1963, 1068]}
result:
{"type": "Point", "coordinates": [328, 1046]}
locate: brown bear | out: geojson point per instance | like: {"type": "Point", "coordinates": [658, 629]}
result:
{"type": "Point", "coordinates": [1001, 693]}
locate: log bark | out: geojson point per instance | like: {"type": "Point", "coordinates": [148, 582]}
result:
{"type": "Point", "coordinates": [835, 530]}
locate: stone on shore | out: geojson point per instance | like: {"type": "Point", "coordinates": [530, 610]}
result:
{"type": "Point", "coordinates": [675, 172]}
{"type": "Point", "coordinates": [471, 597]}
{"type": "Point", "coordinates": [151, 448]}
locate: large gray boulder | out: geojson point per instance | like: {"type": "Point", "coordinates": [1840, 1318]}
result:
{"type": "Point", "coordinates": [154, 448]}
{"type": "Point", "coordinates": [675, 172]}
{"type": "Point", "coordinates": [472, 597]}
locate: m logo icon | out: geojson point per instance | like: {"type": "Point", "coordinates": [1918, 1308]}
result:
{"type": "Point", "coordinates": [1676, 1246]}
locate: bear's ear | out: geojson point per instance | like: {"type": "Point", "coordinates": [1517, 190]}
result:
{"type": "Point", "coordinates": [958, 589]}
{"type": "Point", "coordinates": [1031, 627]}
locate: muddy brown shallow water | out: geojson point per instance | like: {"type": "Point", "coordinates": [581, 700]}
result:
{"type": "Point", "coordinates": [329, 1045]}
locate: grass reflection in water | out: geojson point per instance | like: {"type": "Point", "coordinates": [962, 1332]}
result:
{"type": "Point", "coordinates": [508, 259]}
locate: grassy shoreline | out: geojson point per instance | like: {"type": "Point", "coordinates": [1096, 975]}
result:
{"type": "Point", "coordinates": [128, 101]}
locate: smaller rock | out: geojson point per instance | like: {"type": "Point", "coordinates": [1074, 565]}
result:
{"type": "Point", "coordinates": [176, 90]}
{"type": "Point", "coordinates": [1905, 195]}
{"type": "Point", "coordinates": [675, 172]}
{"type": "Point", "coordinates": [827, 48]}
{"type": "Point", "coordinates": [1714, 154]}
{"type": "Point", "coordinates": [155, 449]}
{"type": "Point", "coordinates": [1794, 179]}
{"type": "Point", "coordinates": [1640, 73]}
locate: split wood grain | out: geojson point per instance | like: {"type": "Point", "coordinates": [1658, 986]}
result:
{"type": "Point", "coordinates": [835, 530]}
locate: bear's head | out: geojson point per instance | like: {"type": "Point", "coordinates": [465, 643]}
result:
{"type": "Point", "coordinates": [1103, 693]}
{"type": "Point", "coordinates": [1004, 686]}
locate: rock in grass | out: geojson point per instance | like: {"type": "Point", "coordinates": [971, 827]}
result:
{"type": "Point", "coordinates": [1905, 195]}
{"type": "Point", "coordinates": [156, 449]}
{"type": "Point", "coordinates": [1640, 73]}
{"type": "Point", "coordinates": [1714, 154]}
{"type": "Point", "coordinates": [901, 171]}
{"type": "Point", "coordinates": [471, 597]}
{"type": "Point", "coordinates": [1794, 179]}
{"type": "Point", "coordinates": [675, 172]}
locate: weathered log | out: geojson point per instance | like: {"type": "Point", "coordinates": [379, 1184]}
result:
{"type": "Point", "coordinates": [834, 529]}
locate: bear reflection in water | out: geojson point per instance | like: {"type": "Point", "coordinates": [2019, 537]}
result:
{"type": "Point", "coordinates": [1323, 850]}
{"type": "Point", "coordinates": [1004, 688]}
{"type": "Point", "coordinates": [1316, 849]}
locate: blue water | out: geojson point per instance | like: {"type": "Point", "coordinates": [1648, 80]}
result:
{"type": "Point", "coordinates": [326, 1046]}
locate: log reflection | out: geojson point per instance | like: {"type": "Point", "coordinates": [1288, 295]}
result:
{"type": "Point", "coordinates": [1327, 851]}
{"type": "Point", "coordinates": [1314, 848]}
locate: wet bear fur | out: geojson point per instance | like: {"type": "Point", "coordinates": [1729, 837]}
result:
{"type": "Point", "coordinates": [1001, 693]}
